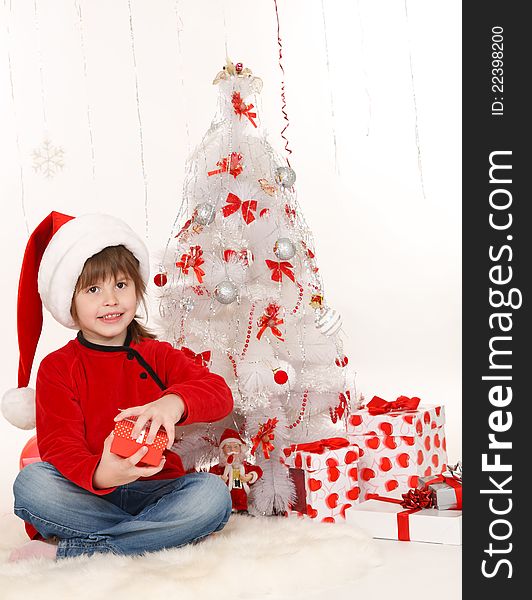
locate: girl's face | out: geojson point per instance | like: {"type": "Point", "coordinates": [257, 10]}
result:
{"type": "Point", "coordinates": [105, 309]}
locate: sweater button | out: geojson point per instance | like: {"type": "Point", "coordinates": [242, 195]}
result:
{"type": "Point", "coordinates": [130, 356]}
{"type": "Point", "coordinates": [144, 375]}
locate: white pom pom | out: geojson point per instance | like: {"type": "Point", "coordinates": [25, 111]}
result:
{"type": "Point", "coordinates": [18, 407]}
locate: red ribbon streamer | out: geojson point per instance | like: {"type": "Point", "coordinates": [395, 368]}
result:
{"type": "Point", "coordinates": [241, 108]}
{"type": "Point", "coordinates": [270, 319]}
{"type": "Point", "coordinates": [278, 268]}
{"type": "Point", "coordinates": [378, 406]}
{"type": "Point", "coordinates": [264, 436]}
{"type": "Point", "coordinates": [200, 359]}
{"type": "Point", "coordinates": [232, 165]}
{"type": "Point", "coordinates": [321, 446]}
{"type": "Point", "coordinates": [456, 485]}
{"type": "Point", "coordinates": [192, 260]}
{"type": "Point", "coordinates": [234, 204]}
{"type": "Point", "coordinates": [243, 255]}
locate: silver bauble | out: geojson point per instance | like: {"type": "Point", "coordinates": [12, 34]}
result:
{"type": "Point", "coordinates": [285, 176]}
{"type": "Point", "coordinates": [328, 321]}
{"type": "Point", "coordinates": [284, 249]}
{"type": "Point", "coordinates": [204, 213]}
{"type": "Point", "coordinates": [226, 292]}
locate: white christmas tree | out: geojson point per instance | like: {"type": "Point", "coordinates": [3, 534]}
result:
{"type": "Point", "coordinates": [241, 291]}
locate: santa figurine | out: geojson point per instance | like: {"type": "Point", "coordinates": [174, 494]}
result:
{"type": "Point", "coordinates": [237, 473]}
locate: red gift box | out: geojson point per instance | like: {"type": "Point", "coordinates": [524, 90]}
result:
{"type": "Point", "coordinates": [124, 445]}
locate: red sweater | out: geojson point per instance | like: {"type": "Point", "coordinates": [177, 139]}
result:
{"type": "Point", "coordinates": [81, 387]}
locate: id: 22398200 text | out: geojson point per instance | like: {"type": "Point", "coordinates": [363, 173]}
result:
{"type": "Point", "coordinates": [497, 71]}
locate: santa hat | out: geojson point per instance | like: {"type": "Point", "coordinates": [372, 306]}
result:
{"type": "Point", "coordinates": [53, 261]}
{"type": "Point", "coordinates": [231, 436]}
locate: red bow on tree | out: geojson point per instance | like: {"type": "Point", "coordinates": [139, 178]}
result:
{"type": "Point", "coordinates": [415, 498]}
{"type": "Point", "coordinates": [241, 108]}
{"type": "Point", "coordinates": [200, 359]}
{"type": "Point", "coordinates": [264, 436]}
{"type": "Point", "coordinates": [192, 260]}
{"type": "Point", "coordinates": [234, 204]}
{"type": "Point", "coordinates": [231, 165]}
{"type": "Point", "coordinates": [378, 406]}
{"type": "Point", "coordinates": [278, 268]}
{"type": "Point", "coordinates": [270, 319]}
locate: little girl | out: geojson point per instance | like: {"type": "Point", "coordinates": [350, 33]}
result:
{"type": "Point", "coordinates": [82, 499]}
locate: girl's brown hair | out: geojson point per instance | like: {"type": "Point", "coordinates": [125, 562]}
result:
{"type": "Point", "coordinates": [110, 263]}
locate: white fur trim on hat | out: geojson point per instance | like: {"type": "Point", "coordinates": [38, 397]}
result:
{"type": "Point", "coordinates": [75, 242]}
{"type": "Point", "coordinates": [231, 441]}
{"type": "Point", "coordinates": [18, 407]}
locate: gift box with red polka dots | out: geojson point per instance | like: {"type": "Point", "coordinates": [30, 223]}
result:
{"type": "Point", "coordinates": [124, 445]}
{"type": "Point", "coordinates": [397, 447]}
{"type": "Point", "coordinates": [330, 482]}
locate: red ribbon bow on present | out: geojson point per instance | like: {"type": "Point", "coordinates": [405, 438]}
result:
{"type": "Point", "coordinates": [378, 406]}
{"type": "Point", "coordinates": [234, 204]}
{"type": "Point", "coordinates": [201, 359]}
{"type": "Point", "coordinates": [192, 260]}
{"type": "Point", "coordinates": [231, 165]}
{"type": "Point", "coordinates": [321, 446]}
{"type": "Point", "coordinates": [403, 524]}
{"type": "Point", "coordinates": [241, 108]}
{"type": "Point", "coordinates": [278, 268]}
{"type": "Point", "coordinates": [270, 319]}
{"type": "Point", "coordinates": [419, 499]}
{"type": "Point", "coordinates": [264, 436]}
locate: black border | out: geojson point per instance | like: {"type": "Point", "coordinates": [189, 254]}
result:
{"type": "Point", "coordinates": [484, 133]}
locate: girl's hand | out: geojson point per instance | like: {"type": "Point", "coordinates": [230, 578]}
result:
{"type": "Point", "coordinates": [165, 412]}
{"type": "Point", "coordinates": [113, 470]}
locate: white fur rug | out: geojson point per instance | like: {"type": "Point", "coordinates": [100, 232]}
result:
{"type": "Point", "coordinates": [252, 558]}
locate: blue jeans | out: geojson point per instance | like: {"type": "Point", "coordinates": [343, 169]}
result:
{"type": "Point", "coordinates": [143, 516]}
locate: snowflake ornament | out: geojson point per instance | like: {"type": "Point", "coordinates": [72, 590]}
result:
{"type": "Point", "coordinates": [48, 159]}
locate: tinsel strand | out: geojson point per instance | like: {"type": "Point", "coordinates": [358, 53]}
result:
{"type": "Point", "coordinates": [17, 139]}
{"type": "Point", "coordinates": [419, 163]}
{"type": "Point", "coordinates": [139, 118]}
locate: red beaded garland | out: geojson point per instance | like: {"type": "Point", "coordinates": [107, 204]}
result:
{"type": "Point", "coordinates": [248, 333]}
{"type": "Point", "coordinates": [233, 362]}
{"type": "Point", "coordinates": [299, 299]}
{"type": "Point", "coordinates": [301, 412]}
{"type": "Point", "coordinates": [239, 67]}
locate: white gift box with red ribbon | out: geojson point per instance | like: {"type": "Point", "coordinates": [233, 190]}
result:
{"type": "Point", "coordinates": [398, 445]}
{"type": "Point", "coordinates": [391, 521]}
{"type": "Point", "coordinates": [330, 480]}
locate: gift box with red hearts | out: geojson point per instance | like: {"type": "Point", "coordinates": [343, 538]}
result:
{"type": "Point", "coordinates": [124, 445]}
{"type": "Point", "coordinates": [325, 476]}
{"type": "Point", "coordinates": [387, 519]}
{"type": "Point", "coordinates": [398, 444]}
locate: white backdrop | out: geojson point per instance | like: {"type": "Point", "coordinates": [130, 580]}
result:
{"type": "Point", "coordinates": [382, 77]}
